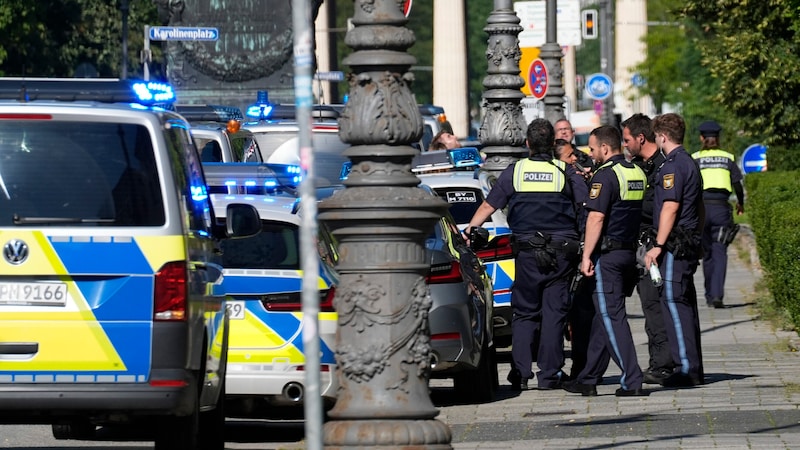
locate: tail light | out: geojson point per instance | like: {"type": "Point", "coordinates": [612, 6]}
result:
{"type": "Point", "coordinates": [170, 292]}
{"type": "Point", "coordinates": [292, 301]}
{"type": "Point", "coordinates": [446, 336]}
{"type": "Point", "coordinates": [445, 273]}
{"type": "Point", "coordinates": [499, 248]}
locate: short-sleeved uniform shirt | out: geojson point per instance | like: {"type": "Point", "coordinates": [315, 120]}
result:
{"type": "Point", "coordinates": [650, 166]}
{"type": "Point", "coordinates": [678, 180]}
{"type": "Point", "coordinates": [621, 222]}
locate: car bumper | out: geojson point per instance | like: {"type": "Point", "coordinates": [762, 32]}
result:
{"type": "Point", "coordinates": [279, 386]}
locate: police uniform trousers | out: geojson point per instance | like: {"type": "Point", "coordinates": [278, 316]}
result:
{"type": "Point", "coordinates": [715, 254]}
{"type": "Point", "coordinates": [679, 309]}
{"type": "Point", "coordinates": [611, 333]}
{"type": "Point", "coordinates": [657, 342]}
{"type": "Point", "coordinates": [581, 317]}
{"type": "Point", "coordinates": [540, 304]}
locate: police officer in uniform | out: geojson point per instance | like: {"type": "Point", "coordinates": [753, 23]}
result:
{"type": "Point", "coordinates": [678, 220]}
{"type": "Point", "coordinates": [616, 191]}
{"type": "Point", "coordinates": [541, 193]}
{"type": "Point", "coordinates": [639, 140]}
{"type": "Point", "coordinates": [721, 177]}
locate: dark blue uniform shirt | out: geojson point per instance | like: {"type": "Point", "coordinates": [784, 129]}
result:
{"type": "Point", "coordinates": [678, 180]}
{"type": "Point", "coordinates": [622, 218]}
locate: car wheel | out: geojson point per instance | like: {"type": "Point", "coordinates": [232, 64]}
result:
{"type": "Point", "coordinates": [212, 425]}
{"type": "Point", "coordinates": [178, 432]}
{"type": "Point", "coordinates": [478, 386]}
{"type": "Point", "coordinates": [77, 429]}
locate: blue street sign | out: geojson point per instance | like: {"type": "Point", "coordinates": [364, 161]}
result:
{"type": "Point", "coordinates": [329, 76]}
{"type": "Point", "coordinates": [754, 158]}
{"type": "Point", "coordinates": [599, 86]}
{"type": "Point", "coordinates": [183, 34]}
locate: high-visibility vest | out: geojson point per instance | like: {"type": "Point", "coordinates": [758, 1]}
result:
{"type": "Point", "coordinates": [543, 200]}
{"type": "Point", "coordinates": [714, 168]}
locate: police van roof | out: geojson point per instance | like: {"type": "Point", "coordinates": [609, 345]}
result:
{"type": "Point", "coordinates": [105, 90]}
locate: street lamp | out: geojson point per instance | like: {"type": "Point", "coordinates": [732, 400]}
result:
{"type": "Point", "coordinates": [124, 9]}
{"type": "Point", "coordinates": [381, 220]}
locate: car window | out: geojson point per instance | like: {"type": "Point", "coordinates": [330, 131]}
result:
{"type": "Point", "coordinates": [282, 147]}
{"type": "Point", "coordinates": [84, 173]}
{"type": "Point", "coordinates": [463, 201]}
{"type": "Point", "coordinates": [188, 173]}
{"type": "Point", "coordinates": [245, 148]}
{"type": "Point", "coordinates": [276, 247]}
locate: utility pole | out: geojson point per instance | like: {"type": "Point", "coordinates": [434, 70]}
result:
{"type": "Point", "coordinates": [607, 57]}
{"type": "Point", "coordinates": [551, 55]}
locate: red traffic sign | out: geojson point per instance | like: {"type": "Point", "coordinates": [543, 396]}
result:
{"type": "Point", "coordinates": [407, 7]}
{"type": "Point", "coordinates": [537, 79]}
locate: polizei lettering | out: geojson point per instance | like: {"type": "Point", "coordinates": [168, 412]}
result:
{"type": "Point", "coordinates": [538, 176]}
{"type": "Point", "coordinates": [636, 185]}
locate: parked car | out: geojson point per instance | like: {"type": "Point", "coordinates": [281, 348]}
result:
{"type": "Point", "coordinates": [263, 282]}
{"type": "Point", "coordinates": [453, 176]}
{"type": "Point", "coordinates": [460, 319]}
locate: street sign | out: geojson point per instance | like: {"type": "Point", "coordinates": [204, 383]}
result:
{"type": "Point", "coordinates": [407, 7]}
{"type": "Point", "coordinates": [183, 34]}
{"type": "Point", "coordinates": [754, 158]}
{"type": "Point", "coordinates": [329, 76]}
{"type": "Point", "coordinates": [537, 79]}
{"type": "Point", "coordinates": [599, 86]}
{"type": "Point", "coordinates": [533, 19]}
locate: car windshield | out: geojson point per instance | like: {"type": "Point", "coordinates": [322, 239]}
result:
{"type": "Point", "coordinates": [282, 147]}
{"type": "Point", "coordinates": [276, 247]}
{"type": "Point", "coordinates": [83, 173]}
{"type": "Point", "coordinates": [463, 202]}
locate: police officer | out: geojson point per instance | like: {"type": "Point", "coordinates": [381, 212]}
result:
{"type": "Point", "coordinates": [639, 140]}
{"type": "Point", "coordinates": [615, 207]}
{"type": "Point", "coordinates": [541, 194]}
{"type": "Point", "coordinates": [677, 219]}
{"type": "Point", "coordinates": [721, 177]}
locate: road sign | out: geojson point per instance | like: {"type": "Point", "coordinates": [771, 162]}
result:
{"type": "Point", "coordinates": [599, 86]}
{"type": "Point", "coordinates": [183, 34]}
{"type": "Point", "coordinates": [537, 79]}
{"type": "Point", "coordinates": [407, 7]}
{"type": "Point", "coordinates": [754, 158]}
{"type": "Point", "coordinates": [533, 19]}
{"type": "Point", "coordinates": [329, 76]}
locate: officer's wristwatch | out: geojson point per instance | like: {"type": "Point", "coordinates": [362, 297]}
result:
{"type": "Point", "coordinates": [657, 245]}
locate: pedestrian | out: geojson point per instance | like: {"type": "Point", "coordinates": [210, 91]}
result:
{"type": "Point", "coordinates": [444, 140]}
{"type": "Point", "coordinates": [639, 140]}
{"type": "Point", "coordinates": [678, 221]}
{"type": "Point", "coordinates": [565, 131]}
{"type": "Point", "coordinates": [541, 195]}
{"type": "Point", "coordinates": [609, 255]}
{"type": "Point", "coordinates": [721, 178]}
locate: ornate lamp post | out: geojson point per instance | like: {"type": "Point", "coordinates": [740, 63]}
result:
{"type": "Point", "coordinates": [502, 131]}
{"type": "Point", "coordinates": [551, 55]}
{"type": "Point", "coordinates": [381, 220]}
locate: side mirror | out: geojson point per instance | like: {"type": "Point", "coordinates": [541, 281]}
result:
{"type": "Point", "coordinates": [478, 238]}
{"type": "Point", "coordinates": [242, 220]}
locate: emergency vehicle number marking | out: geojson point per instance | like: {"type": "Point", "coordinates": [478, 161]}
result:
{"type": "Point", "coordinates": [36, 294]}
{"type": "Point", "coordinates": [461, 197]}
{"type": "Point", "coordinates": [235, 310]}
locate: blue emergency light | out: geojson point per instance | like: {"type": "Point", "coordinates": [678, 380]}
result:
{"type": "Point", "coordinates": [262, 108]}
{"type": "Point", "coordinates": [252, 178]}
{"type": "Point", "coordinates": [465, 157]}
{"type": "Point", "coordinates": [106, 90]}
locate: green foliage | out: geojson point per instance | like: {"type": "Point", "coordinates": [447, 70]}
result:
{"type": "Point", "coordinates": [752, 49]}
{"type": "Point", "coordinates": [774, 213]}
{"type": "Point", "coordinates": [781, 158]}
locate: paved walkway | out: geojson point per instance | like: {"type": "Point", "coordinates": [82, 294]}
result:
{"type": "Point", "coordinates": [750, 399]}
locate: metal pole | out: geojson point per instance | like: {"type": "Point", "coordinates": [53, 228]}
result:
{"type": "Point", "coordinates": [502, 130]}
{"type": "Point", "coordinates": [551, 55]}
{"type": "Point", "coordinates": [381, 220]}
{"type": "Point", "coordinates": [123, 7]}
{"type": "Point", "coordinates": [146, 55]}
{"type": "Point", "coordinates": [303, 88]}
{"type": "Point", "coordinates": [607, 57]}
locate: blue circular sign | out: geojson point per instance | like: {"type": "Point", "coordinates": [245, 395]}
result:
{"type": "Point", "coordinates": [599, 86]}
{"type": "Point", "coordinates": [754, 158]}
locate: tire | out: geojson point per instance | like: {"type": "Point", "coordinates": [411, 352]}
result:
{"type": "Point", "coordinates": [76, 429]}
{"type": "Point", "coordinates": [212, 425]}
{"type": "Point", "coordinates": [478, 385]}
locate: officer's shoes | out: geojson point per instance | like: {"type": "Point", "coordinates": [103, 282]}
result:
{"type": "Point", "coordinates": [656, 376]}
{"type": "Point", "coordinates": [517, 383]}
{"type": "Point", "coordinates": [715, 303]}
{"type": "Point", "coordinates": [586, 390]}
{"type": "Point", "coordinates": [679, 379]}
{"type": "Point", "coordinates": [639, 392]}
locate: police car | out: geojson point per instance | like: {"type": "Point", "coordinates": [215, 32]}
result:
{"type": "Point", "coordinates": [263, 282]}
{"type": "Point", "coordinates": [109, 264]}
{"type": "Point", "coordinates": [218, 134]}
{"type": "Point", "coordinates": [454, 176]}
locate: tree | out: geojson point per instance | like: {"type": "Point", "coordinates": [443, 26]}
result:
{"type": "Point", "coordinates": [752, 49]}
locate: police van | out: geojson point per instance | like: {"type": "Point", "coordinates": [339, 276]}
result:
{"type": "Point", "coordinates": [108, 310]}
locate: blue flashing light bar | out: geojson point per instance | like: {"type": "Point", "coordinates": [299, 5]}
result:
{"type": "Point", "coordinates": [346, 168]}
{"type": "Point", "coordinates": [465, 157]}
{"type": "Point", "coordinates": [253, 178]}
{"type": "Point", "coordinates": [106, 90]}
{"type": "Point", "coordinates": [446, 160]}
{"type": "Point", "coordinates": [261, 108]}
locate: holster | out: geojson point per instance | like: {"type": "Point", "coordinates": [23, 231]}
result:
{"type": "Point", "coordinates": [684, 244]}
{"type": "Point", "coordinates": [543, 253]}
{"type": "Point", "coordinates": [726, 235]}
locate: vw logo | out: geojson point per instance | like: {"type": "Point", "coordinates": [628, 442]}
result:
{"type": "Point", "coordinates": [15, 251]}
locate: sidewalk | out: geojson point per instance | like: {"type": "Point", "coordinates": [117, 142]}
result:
{"type": "Point", "coordinates": [750, 399]}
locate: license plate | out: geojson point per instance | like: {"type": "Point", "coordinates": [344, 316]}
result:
{"type": "Point", "coordinates": [235, 310]}
{"type": "Point", "coordinates": [461, 197]}
{"type": "Point", "coordinates": [36, 294]}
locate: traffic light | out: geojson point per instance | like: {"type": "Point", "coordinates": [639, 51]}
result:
{"type": "Point", "coordinates": [589, 29]}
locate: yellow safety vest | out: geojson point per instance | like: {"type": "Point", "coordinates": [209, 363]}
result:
{"type": "Point", "coordinates": [713, 165]}
{"type": "Point", "coordinates": [539, 176]}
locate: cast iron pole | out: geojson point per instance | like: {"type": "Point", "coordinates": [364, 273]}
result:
{"type": "Point", "coordinates": [381, 220]}
{"type": "Point", "coordinates": [551, 55]}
